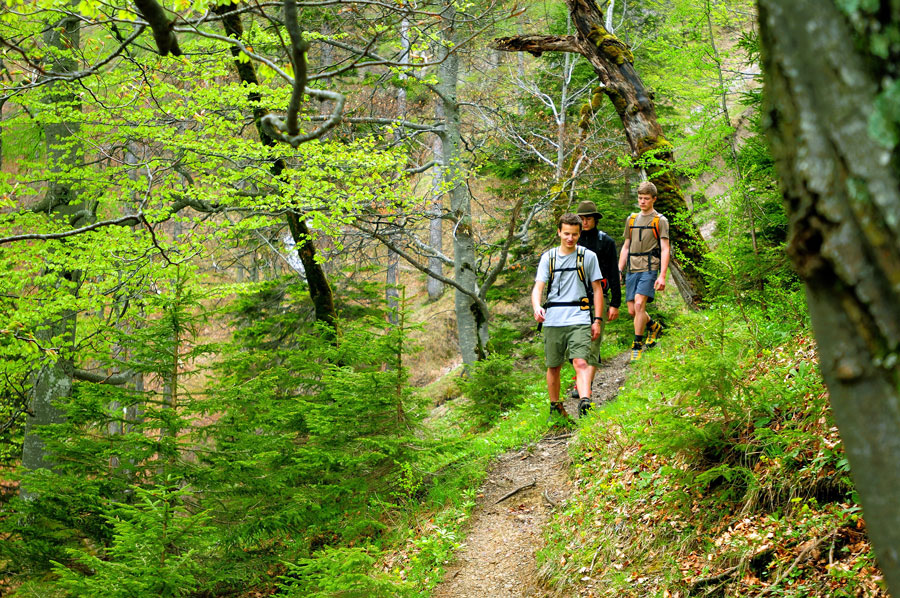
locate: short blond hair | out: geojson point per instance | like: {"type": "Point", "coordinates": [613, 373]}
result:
{"type": "Point", "coordinates": [647, 188]}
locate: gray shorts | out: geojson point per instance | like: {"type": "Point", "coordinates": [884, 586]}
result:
{"type": "Point", "coordinates": [641, 283]}
{"type": "Point", "coordinates": [562, 342]}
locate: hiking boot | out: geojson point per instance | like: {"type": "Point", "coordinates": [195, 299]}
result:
{"type": "Point", "coordinates": [557, 408]}
{"type": "Point", "coordinates": [654, 330]}
{"type": "Point", "coordinates": [636, 350]}
{"type": "Point", "coordinates": [574, 393]}
{"type": "Point", "coordinates": [584, 406]}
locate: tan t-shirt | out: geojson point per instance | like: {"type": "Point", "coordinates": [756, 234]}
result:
{"type": "Point", "coordinates": [643, 240]}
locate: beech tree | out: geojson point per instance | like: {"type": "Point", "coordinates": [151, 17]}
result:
{"type": "Point", "coordinates": [108, 106]}
{"type": "Point", "coordinates": [832, 92]}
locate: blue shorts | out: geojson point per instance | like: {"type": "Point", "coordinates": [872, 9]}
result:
{"type": "Point", "coordinates": [641, 283]}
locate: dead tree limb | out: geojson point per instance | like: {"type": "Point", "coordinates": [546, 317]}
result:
{"type": "Point", "coordinates": [517, 490]}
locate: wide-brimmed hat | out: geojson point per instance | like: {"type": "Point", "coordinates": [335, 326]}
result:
{"type": "Point", "coordinates": [588, 208]}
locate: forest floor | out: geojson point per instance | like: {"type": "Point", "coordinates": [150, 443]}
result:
{"type": "Point", "coordinates": [516, 501]}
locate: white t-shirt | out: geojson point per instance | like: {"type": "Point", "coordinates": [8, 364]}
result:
{"type": "Point", "coordinates": [567, 286]}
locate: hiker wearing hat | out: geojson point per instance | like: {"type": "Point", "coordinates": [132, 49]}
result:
{"type": "Point", "coordinates": [605, 247]}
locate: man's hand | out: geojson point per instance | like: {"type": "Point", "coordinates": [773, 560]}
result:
{"type": "Point", "coordinates": [539, 313]}
{"type": "Point", "coordinates": [595, 330]}
{"type": "Point", "coordinates": [612, 314]}
{"type": "Point", "coordinates": [660, 284]}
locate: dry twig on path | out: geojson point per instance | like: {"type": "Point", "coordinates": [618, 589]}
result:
{"type": "Point", "coordinates": [520, 488]}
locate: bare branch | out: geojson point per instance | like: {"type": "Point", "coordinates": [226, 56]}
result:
{"type": "Point", "coordinates": [421, 168]}
{"type": "Point", "coordinates": [538, 44]}
{"type": "Point", "coordinates": [129, 220]}
{"type": "Point", "coordinates": [279, 127]}
{"type": "Point", "coordinates": [494, 272]}
{"type": "Point", "coordinates": [384, 121]}
{"type": "Point", "coordinates": [75, 75]}
{"type": "Point", "coordinates": [113, 379]}
{"type": "Point", "coordinates": [415, 264]}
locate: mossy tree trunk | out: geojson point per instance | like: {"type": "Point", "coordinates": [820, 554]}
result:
{"type": "Point", "coordinates": [827, 86]}
{"type": "Point", "coordinates": [613, 63]}
{"type": "Point", "coordinates": [316, 279]}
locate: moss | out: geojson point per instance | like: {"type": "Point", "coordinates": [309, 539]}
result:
{"type": "Point", "coordinates": [596, 101]}
{"type": "Point", "coordinates": [618, 100]}
{"type": "Point", "coordinates": [656, 145]}
{"type": "Point", "coordinates": [610, 45]}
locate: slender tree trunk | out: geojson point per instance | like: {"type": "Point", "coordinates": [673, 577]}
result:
{"type": "Point", "coordinates": [319, 289]}
{"type": "Point", "coordinates": [842, 191]}
{"type": "Point", "coordinates": [471, 322]}
{"type": "Point", "coordinates": [391, 292]}
{"type": "Point", "coordinates": [435, 225]}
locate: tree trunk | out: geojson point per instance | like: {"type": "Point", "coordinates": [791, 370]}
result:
{"type": "Point", "coordinates": [435, 224]}
{"type": "Point", "coordinates": [53, 381]}
{"type": "Point", "coordinates": [471, 322]}
{"type": "Point", "coordinates": [319, 289]}
{"type": "Point", "coordinates": [842, 192]}
{"type": "Point", "coordinates": [613, 63]}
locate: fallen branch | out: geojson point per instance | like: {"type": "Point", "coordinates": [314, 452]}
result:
{"type": "Point", "coordinates": [705, 581]}
{"type": "Point", "coordinates": [519, 489]}
{"type": "Point", "coordinates": [726, 573]}
{"type": "Point", "coordinates": [810, 546]}
{"type": "Point", "coordinates": [560, 437]}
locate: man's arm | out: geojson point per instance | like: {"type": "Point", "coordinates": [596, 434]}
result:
{"type": "Point", "coordinates": [597, 287]}
{"type": "Point", "coordinates": [537, 292]}
{"type": "Point", "coordinates": [664, 253]}
{"type": "Point", "coordinates": [623, 255]}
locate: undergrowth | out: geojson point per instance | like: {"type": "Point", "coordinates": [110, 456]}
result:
{"type": "Point", "coordinates": [718, 471]}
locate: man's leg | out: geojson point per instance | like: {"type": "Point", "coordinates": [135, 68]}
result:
{"type": "Point", "coordinates": [582, 377]}
{"type": "Point", "coordinates": [553, 383]}
{"type": "Point", "coordinates": [640, 314]}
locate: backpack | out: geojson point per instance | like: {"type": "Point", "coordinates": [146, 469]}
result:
{"type": "Point", "coordinates": [586, 302]}
{"type": "Point", "coordinates": [654, 226]}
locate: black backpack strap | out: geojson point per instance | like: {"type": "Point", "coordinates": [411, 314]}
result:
{"type": "Point", "coordinates": [586, 302]}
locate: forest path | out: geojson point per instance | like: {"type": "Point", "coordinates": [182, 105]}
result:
{"type": "Point", "coordinates": [506, 531]}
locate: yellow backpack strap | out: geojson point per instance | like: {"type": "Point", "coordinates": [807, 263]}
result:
{"type": "Point", "coordinates": [631, 220]}
{"type": "Point", "coordinates": [655, 225]}
{"type": "Point", "coordinates": [579, 262]}
{"type": "Point", "coordinates": [579, 266]}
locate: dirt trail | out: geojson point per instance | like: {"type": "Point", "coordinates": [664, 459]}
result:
{"type": "Point", "coordinates": [498, 559]}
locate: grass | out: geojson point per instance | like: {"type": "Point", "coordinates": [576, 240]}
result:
{"type": "Point", "coordinates": [718, 471]}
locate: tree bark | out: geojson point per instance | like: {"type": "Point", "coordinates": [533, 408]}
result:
{"type": "Point", "coordinates": [316, 279]}
{"type": "Point", "coordinates": [842, 192]}
{"type": "Point", "coordinates": [435, 224]}
{"type": "Point", "coordinates": [613, 63]}
{"type": "Point", "coordinates": [471, 321]}
{"type": "Point", "coordinates": [53, 381]}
